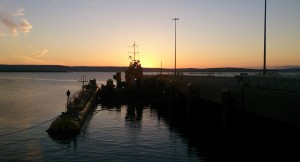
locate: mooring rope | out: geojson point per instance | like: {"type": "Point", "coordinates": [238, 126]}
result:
{"type": "Point", "coordinates": [141, 103]}
{"type": "Point", "coordinates": [29, 127]}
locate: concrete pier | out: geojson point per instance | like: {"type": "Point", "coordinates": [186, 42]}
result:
{"type": "Point", "coordinates": [271, 97]}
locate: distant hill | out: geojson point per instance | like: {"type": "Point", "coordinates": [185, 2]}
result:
{"type": "Point", "coordinates": [33, 68]}
{"type": "Point", "coordinates": [58, 68]}
{"type": "Point", "coordinates": [61, 68]}
{"type": "Point", "coordinates": [225, 69]}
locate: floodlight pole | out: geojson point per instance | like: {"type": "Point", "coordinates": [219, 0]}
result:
{"type": "Point", "coordinates": [265, 70]}
{"type": "Point", "coordinates": [175, 44]}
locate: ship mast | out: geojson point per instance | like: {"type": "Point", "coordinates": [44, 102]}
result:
{"type": "Point", "coordinates": [134, 46]}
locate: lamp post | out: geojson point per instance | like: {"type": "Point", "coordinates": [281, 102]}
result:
{"type": "Point", "coordinates": [265, 70]}
{"type": "Point", "coordinates": [175, 19]}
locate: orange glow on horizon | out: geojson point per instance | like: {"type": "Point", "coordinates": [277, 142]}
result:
{"type": "Point", "coordinates": [209, 34]}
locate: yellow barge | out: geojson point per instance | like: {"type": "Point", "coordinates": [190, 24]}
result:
{"type": "Point", "coordinates": [78, 107]}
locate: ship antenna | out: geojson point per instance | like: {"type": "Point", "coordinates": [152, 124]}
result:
{"type": "Point", "coordinates": [83, 79]}
{"type": "Point", "coordinates": [134, 52]}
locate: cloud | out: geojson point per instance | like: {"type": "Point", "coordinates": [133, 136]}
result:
{"type": "Point", "coordinates": [41, 52]}
{"type": "Point", "coordinates": [8, 22]}
{"type": "Point", "coordinates": [25, 26]}
{"type": "Point", "coordinates": [11, 22]}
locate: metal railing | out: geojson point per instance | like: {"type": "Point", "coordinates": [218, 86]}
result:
{"type": "Point", "coordinates": [295, 75]}
{"type": "Point", "coordinates": [282, 83]}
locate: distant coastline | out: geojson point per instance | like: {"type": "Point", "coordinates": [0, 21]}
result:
{"type": "Point", "coordinates": [61, 68]}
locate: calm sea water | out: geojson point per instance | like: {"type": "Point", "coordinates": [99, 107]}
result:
{"type": "Point", "coordinates": [116, 133]}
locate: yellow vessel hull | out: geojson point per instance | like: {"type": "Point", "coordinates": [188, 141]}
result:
{"type": "Point", "coordinates": [70, 124]}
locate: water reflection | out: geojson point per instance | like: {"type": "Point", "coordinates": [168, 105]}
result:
{"type": "Point", "coordinates": [114, 132]}
{"type": "Point", "coordinates": [137, 133]}
{"type": "Point", "coordinates": [69, 137]}
{"type": "Point", "coordinates": [134, 115]}
{"type": "Point", "coordinates": [70, 142]}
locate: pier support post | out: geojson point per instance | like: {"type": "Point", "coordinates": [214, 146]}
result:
{"type": "Point", "coordinates": [242, 108]}
{"type": "Point", "coordinates": [170, 94]}
{"type": "Point", "coordinates": [188, 104]}
{"type": "Point", "coordinates": [224, 112]}
{"type": "Point", "coordinates": [170, 99]}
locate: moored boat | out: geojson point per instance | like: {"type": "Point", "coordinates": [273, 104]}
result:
{"type": "Point", "coordinates": [124, 90]}
{"type": "Point", "coordinates": [78, 107]}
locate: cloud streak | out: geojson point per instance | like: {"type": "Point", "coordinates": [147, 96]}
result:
{"type": "Point", "coordinates": [25, 26]}
{"type": "Point", "coordinates": [20, 12]}
{"type": "Point", "coordinates": [2, 34]}
{"type": "Point", "coordinates": [30, 60]}
{"type": "Point", "coordinates": [93, 2]}
{"type": "Point", "coordinates": [41, 52]}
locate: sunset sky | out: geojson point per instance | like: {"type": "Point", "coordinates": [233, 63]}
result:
{"type": "Point", "coordinates": [210, 33]}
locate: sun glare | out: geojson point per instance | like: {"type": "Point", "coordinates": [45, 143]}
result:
{"type": "Point", "coordinates": [150, 63]}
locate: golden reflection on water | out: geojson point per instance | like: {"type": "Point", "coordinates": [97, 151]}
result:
{"type": "Point", "coordinates": [25, 100]}
{"type": "Point", "coordinates": [124, 129]}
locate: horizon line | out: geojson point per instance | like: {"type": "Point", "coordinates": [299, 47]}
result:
{"type": "Point", "coordinates": [257, 68]}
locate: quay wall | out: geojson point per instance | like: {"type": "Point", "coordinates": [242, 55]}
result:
{"type": "Point", "coordinates": [229, 114]}
{"type": "Point", "coordinates": [279, 106]}
{"type": "Point", "coordinates": [228, 94]}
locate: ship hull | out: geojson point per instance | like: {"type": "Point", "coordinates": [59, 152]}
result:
{"type": "Point", "coordinates": [67, 124]}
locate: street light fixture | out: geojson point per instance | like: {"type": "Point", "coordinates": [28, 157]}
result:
{"type": "Point", "coordinates": [175, 19]}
